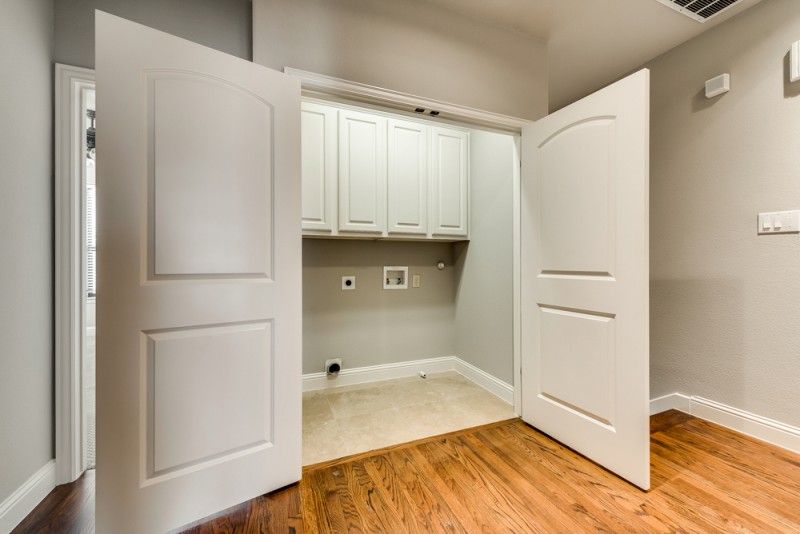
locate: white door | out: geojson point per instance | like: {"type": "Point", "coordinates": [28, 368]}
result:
{"type": "Point", "coordinates": [407, 177]}
{"type": "Point", "coordinates": [362, 172]}
{"type": "Point", "coordinates": [319, 130]}
{"type": "Point", "coordinates": [585, 276]}
{"type": "Point", "coordinates": [449, 192]}
{"type": "Point", "coordinates": [199, 302]}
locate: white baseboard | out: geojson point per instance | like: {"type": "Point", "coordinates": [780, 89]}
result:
{"type": "Point", "coordinates": [25, 498]}
{"type": "Point", "coordinates": [375, 373]}
{"type": "Point", "coordinates": [485, 380]}
{"type": "Point", "coordinates": [768, 430]}
{"type": "Point", "coordinates": [675, 401]}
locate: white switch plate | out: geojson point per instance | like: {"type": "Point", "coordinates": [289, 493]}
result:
{"type": "Point", "coordinates": [794, 62]}
{"type": "Point", "coordinates": [779, 222]}
{"type": "Point", "coordinates": [415, 280]}
{"type": "Point", "coordinates": [348, 282]}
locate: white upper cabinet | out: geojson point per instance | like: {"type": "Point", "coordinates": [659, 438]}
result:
{"type": "Point", "coordinates": [362, 172]}
{"type": "Point", "coordinates": [408, 177]}
{"type": "Point", "coordinates": [449, 191]}
{"type": "Point", "coordinates": [319, 174]}
{"type": "Point", "coordinates": [369, 174]}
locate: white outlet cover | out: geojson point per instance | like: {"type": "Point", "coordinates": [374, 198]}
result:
{"type": "Point", "coordinates": [794, 62]}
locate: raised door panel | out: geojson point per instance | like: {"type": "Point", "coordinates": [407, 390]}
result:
{"type": "Point", "coordinates": [584, 277]}
{"type": "Point", "coordinates": [362, 172]}
{"type": "Point", "coordinates": [407, 177]}
{"type": "Point", "coordinates": [449, 192]}
{"type": "Point", "coordinates": [319, 167]}
{"type": "Point", "coordinates": [199, 295]}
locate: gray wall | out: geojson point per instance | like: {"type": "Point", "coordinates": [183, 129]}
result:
{"type": "Point", "coordinates": [26, 218]}
{"type": "Point", "coordinates": [371, 325]}
{"type": "Point", "coordinates": [724, 300]}
{"type": "Point", "coordinates": [484, 292]}
{"type": "Point", "coordinates": [411, 46]}
{"type": "Point", "coordinates": [225, 25]}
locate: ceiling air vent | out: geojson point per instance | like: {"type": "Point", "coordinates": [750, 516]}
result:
{"type": "Point", "coordinates": [699, 10]}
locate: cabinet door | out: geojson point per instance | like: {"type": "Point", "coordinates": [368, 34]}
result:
{"type": "Point", "coordinates": [318, 134]}
{"type": "Point", "coordinates": [408, 177]}
{"type": "Point", "coordinates": [449, 182]}
{"type": "Point", "coordinates": [362, 172]}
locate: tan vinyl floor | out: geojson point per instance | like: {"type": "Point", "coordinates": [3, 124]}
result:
{"type": "Point", "coordinates": [352, 419]}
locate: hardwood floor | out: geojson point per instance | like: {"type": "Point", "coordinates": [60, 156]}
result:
{"type": "Point", "coordinates": [507, 477]}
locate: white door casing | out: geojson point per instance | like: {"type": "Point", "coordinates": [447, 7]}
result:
{"type": "Point", "coordinates": [585, 275]}
{"type": "Point", "coordinates": [199, 297]}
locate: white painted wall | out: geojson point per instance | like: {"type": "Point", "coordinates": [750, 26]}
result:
{"type": "Point", "coordinates": [411, 46]}
{"type": "Point", "coordinates": [26, 235]}
{"type": "Point", "coordinates": [223, 25]}
{"type": "Point", "coordinates": [371, 325]}
{"type": "Point", "coordinates": [484, 298]}
{"type": "Point", "coordinates": [724, 301]}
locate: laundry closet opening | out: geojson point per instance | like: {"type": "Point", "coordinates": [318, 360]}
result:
{"type": "Point", "coordinates": [427, 349]}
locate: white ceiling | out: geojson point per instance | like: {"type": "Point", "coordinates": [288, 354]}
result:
{"type": "Point", "coordinates": [592, 42]}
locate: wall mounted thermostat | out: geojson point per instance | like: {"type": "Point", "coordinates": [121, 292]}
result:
{"type": "Point", "coordinates": [395, 278]}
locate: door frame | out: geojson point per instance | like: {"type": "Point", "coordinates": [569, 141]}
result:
{"type": "Point", "coordinates": [71, 83]}
{"type": "Point", "coordinates": [328, 87]}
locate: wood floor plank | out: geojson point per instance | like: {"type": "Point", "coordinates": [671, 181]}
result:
{"type": "Point", "coordinates": [508, 477]}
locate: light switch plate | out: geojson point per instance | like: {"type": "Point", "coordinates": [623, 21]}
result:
{"type": "Point", "coordinates": [779, 222]}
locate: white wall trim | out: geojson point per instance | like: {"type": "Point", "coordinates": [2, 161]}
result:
{"type": "Point", "coordinates": [71, 84]}
{"type": "Point", "coordinates": [488, 382]}
{"type": "Point", "coordinates": [674, 401]}
{"type": "Point", "coordinates": [314, 84]}
{"type": "Point", "coordinates": [376, 373]}
{"type": "Point", "coordinates": [762, 428]}
{"type": "Point", "coordinates": [25, 498]}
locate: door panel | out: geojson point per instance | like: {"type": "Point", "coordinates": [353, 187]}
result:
{"type": "Point", "coordinates": [585, 276]}
{"type": "Point", "coordinates": [362, 172]}
{"type": "Point", "coordinates": [319, 132]}
{"type": "Point", "coordinates": [449, 182]}
{"type": "Point", "coordinates": [199, 315]}
{"type": "Point", "coordinates": [408, 177]}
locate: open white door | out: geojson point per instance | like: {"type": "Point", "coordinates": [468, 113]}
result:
{"type": "Point", "coordinates": [199, 297]}
{"type": "Point", "coordinates": [585, 274]}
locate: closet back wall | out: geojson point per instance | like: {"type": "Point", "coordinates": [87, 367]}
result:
{"type": "Point", "coordinates": [371, 325]}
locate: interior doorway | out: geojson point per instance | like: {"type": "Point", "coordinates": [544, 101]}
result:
{"type": "Point", "coordinates": [76, 279]}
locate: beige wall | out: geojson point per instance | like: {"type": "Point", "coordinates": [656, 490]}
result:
{"type": "Point", "coordinates": [484, 292]}
{"type": "Point", "coordinates": [371, 325]}
{"type": "Point", "coordinates": [224, 25]}
{"type": "Point", "coordinates": [411, 46]}
{"type": "Point", "coordinates": [26, 235]}
{"type": "Point", "coordinates": [725, 301]}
